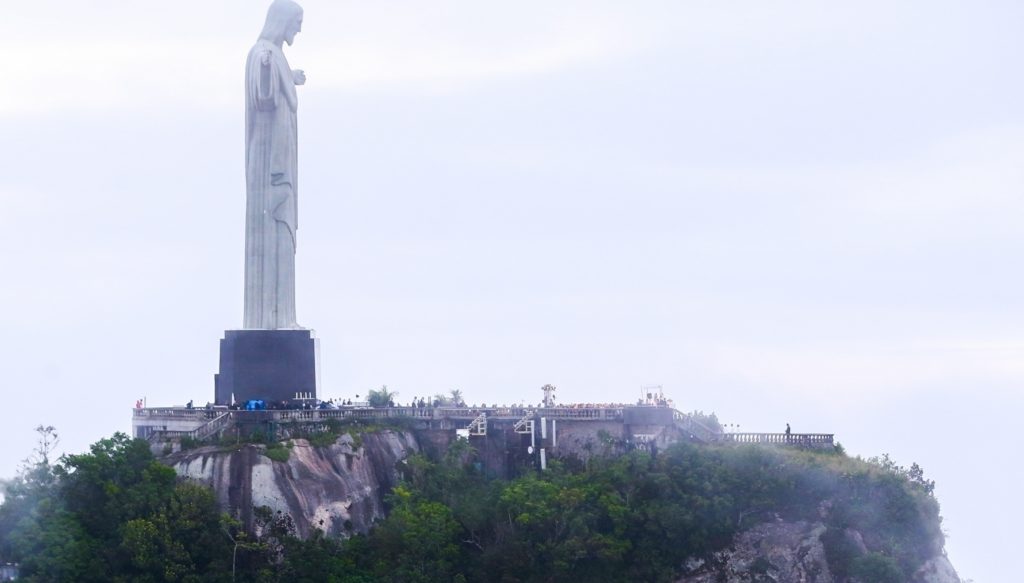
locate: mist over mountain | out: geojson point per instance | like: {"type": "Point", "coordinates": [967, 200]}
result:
{"type": "Point", "coordinates": [420, 512]}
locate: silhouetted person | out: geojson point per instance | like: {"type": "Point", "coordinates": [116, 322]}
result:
{"type": "Point", "coordinates": [788, 432]}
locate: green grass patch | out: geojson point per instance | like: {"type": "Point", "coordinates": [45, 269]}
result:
{"type": "Point", "coordinates": [278, 452]}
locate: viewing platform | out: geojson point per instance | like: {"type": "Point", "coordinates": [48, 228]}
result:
{"type": "Point", "coordinates": [163, 423]}
{"type": "Point", "coordinates": [186, 422]}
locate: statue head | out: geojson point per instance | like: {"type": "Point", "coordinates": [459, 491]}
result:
{"type": "Point", "coordinates": [284, 21]}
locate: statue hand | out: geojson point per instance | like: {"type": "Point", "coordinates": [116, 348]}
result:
{"type": "Point", "coordinates": [300, 76]}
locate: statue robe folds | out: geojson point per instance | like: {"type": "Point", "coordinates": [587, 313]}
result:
{"type": "Point", "coordinates": [271, 176]}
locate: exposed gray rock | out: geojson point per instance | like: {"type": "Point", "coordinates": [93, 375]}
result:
{"type": "Point", "coordinates": [790, 552]}
{"type": "Point", "coordinates": [784, 552]}
{"type": "Point", "coordinates": [855, 540]}
{"type": "Point", "coordinates": [936, 570]}
{"type": "Point", "coordinates": [338, 489]}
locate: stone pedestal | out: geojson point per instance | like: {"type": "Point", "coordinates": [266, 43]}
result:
{"type": "Point", "coordinates": [272, 365]}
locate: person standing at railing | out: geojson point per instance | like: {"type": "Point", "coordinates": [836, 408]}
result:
{"type": "Point", "coordinates": [788, 433]}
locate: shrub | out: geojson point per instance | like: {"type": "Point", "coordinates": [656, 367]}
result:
{"type": "Point", "coordinates": [877, 568]}
{"type": "Point", "coordinates": [840, 552]}
{"type": "Point", "coordinates": [190, 443]}
{"type": "Point", "coordinates": [277, 452]}
{"type": "Point", "coordinates": [325, 439]}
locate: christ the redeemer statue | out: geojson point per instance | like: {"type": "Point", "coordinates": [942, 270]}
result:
{"type": "Point", "coordinates": [271, 358]}
{"type": "Point", "coordinates": [271, 173]}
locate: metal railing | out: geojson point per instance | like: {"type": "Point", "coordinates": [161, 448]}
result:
{"type": "Point", "coordinates": [520, 415]}
{"type": "Point", "coordinates": [478, 426]}
{"type": "Point", "coordinates": [215, 425]}
{"type": "Point", "coordinates": [359, 413]}
{"type": "Point", "coordinates": [477, 416]}
{"type": "Point", "coordinates": [524, 425]}
{"type": "Point", "coordinates": [438, 413]}
{"type": "Point", "coordinates": [697, 429]}
{"type": "Point", "coordinates": [202, 432]}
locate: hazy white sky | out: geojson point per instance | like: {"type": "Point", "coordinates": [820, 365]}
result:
{"type": "Point", "coordinates": [799, 212]}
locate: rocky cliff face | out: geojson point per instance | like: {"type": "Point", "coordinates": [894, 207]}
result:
{"type": "Point", "coordinates": [786, 552]}
{"type": "Point", "coordinates": [339, 489]}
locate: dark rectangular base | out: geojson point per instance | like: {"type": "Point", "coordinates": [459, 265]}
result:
{"type": "Point", "coordinates": [271, 365]}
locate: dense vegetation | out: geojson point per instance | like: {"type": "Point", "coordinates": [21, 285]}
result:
{"type": "Point", "coordinates": [113, 514]}
{"type": "Point", "coordinates": [116, 514]}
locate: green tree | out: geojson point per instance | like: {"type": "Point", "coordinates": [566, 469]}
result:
{"type": "Point", "coordinates": [456, 398]}
{"type": "Point", "coordinates": [382, 397]}
{"type": "Point", "coordinates": [28, 495]}
{"type": "Point", "coordinates": [877, 568]}
{"type": "Point", "coordinates": [116, 514]}
{"type": "Point", "coordinates": [418, 543]}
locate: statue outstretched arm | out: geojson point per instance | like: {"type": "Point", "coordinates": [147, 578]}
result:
{"type": "Point", "coordinates": [267, 82]}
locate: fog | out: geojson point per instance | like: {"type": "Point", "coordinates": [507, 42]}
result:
{"type": "Point", "coordinates": [787, 213]}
